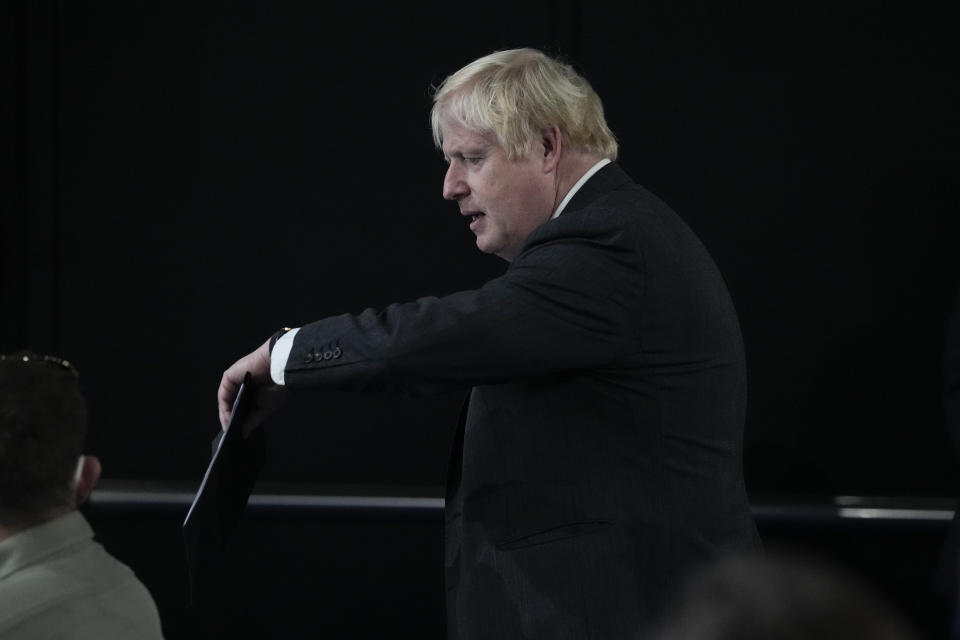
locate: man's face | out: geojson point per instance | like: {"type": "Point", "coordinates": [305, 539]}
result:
{"type": "Point", "coordinates": [504, 200]}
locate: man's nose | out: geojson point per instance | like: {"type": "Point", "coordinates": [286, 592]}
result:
{"type": "Point", "coordinates": [454, 186]}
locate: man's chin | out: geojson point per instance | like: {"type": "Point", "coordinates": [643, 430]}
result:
{"type": "Point", "coordinates": [483, 244]}
{"type": "Point", "coordinates": [488, 245]}
{"type": "Point", "coordinates": [485, 247]}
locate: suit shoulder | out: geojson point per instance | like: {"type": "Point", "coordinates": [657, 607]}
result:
{"type": "Point", "coordinates": [629, 210]}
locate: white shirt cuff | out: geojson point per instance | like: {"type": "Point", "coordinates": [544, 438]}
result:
{"type": "Point", "coordinates": [280, 355]}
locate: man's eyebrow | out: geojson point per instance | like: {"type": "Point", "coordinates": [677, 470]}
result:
{"type": "Point", "coordinates": [467, 152]}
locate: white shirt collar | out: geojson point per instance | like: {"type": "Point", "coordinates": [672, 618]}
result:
{"type": "Point", "coordinates": [592, 170]}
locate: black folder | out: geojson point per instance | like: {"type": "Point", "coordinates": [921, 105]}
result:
{"type": "Point", "coordinates": [219, 504]}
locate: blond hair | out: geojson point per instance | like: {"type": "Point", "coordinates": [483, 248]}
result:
{"type": "Point", "coordinates": [516, 95]}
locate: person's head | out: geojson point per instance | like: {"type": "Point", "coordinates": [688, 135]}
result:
{"type": "Point", "coordinates": [518, 129]}
{"type": "Point", "coordinates": [785, 596]}
{"type": "Point", "coordinates": [43, 424]}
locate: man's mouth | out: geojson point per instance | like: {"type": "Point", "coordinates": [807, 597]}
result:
{"type": "Point", "coordinates": [474, 216]}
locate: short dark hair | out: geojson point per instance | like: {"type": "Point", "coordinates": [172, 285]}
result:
{"type": "Point", "coordinates": [43, 425]}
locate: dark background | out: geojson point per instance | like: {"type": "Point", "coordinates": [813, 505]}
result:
{"type": "Point", "coordinates": [179, 180]}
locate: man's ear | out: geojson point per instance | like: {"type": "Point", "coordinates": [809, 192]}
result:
{"type": "Point", "coordinates": [552, 146]}
{"type": "Point", "coordinates": [88, 472]}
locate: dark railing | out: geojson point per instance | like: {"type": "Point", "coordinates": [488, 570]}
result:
{"type": "Point", "coordinates": [768, 509]}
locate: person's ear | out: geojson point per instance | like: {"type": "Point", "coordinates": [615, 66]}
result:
{"type": "Point", "coordinates": [88, 472]}
{"type": "Point", "coordinates": [552, 146]}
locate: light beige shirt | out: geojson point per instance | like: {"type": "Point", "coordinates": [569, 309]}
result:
{"type": "Point", "coordinates": [56, 582]}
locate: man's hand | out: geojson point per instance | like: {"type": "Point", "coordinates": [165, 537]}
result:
{"type": "Point", "coordinates": [257, 363]}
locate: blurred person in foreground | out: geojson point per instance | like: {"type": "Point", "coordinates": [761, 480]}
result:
{"type": "Point", "coordinates": [784, 596]}
{"type": "Point", "coordinates": [598, 456]}
{"type": "Point", "coordinates": [55, 581]}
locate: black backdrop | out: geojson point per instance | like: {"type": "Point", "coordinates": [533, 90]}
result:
{"type": "Point", "coordinates": [181, 180]}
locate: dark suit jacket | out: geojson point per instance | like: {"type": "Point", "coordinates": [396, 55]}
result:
{"type": "Point", "coordinates": [599, 457]}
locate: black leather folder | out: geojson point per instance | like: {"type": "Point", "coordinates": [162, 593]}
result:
{"type": "Point", "coordinates": [220, 502]}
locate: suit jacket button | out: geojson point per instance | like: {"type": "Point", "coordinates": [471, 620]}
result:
{"type": "Point", "coordinates": [337, 352]}
{"type": "Point", "coordinates": [327, 355]}
{"type": "Point", "coordinates": [308, 358]}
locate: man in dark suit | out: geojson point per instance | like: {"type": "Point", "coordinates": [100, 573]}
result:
{"type": "Point", "coordinates": [598, 459]}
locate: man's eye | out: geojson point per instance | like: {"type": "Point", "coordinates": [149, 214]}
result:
{"type": "Point", "coordinates": [473, 160]}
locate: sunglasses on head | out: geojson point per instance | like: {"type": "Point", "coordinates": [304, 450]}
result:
{"type": "Point", "coordinates": [27, 356]}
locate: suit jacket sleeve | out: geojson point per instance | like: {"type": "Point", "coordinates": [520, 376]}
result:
{"type": "Point", "coordinates": [567, 302]}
